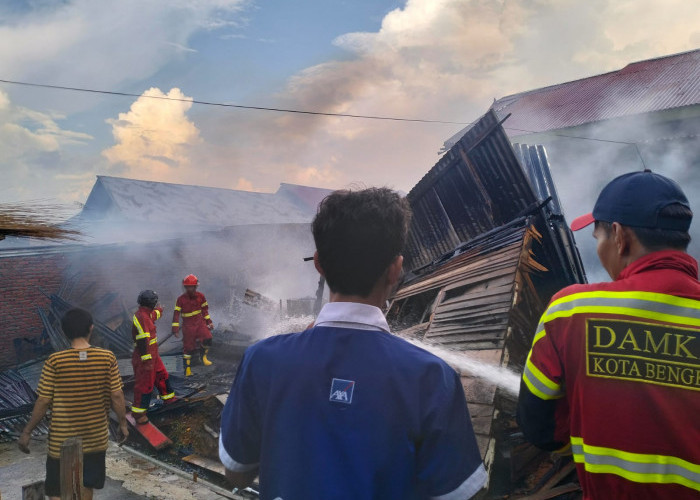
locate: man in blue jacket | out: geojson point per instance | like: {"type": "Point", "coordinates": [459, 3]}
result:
{"type": "Point", "coordinates": [346, 410]}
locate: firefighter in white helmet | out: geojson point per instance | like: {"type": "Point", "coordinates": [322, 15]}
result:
{"type": "Point", "coordinates": [196, 323]}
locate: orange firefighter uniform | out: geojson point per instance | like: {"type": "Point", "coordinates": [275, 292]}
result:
{"type": "Point", "coordinates": [196, 324]}
{"type": "Point", "coordinates": [149, 371]}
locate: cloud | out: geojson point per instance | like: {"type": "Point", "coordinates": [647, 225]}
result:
{"type": "Point", "coordinates": [97, 45]}
{"type": "Point", "coordinates": [439, 59]}
{"type": "Point", "coordinates": [153, 138]}
{"type": "Point", "coordinates": [430, 59]}
{"type": "Point", "coordinates": [33, 146]}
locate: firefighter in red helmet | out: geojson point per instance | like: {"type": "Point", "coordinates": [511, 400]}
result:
{"type": "Point", "coordinates": [149, 371]}
{"type": "Point", "coordinates": [196, 323]}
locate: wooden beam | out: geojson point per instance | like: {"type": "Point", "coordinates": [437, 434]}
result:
{"type": "Point", "coordinates": [72, 469]}
{"type": "Point", "coordinates": [33, 491]}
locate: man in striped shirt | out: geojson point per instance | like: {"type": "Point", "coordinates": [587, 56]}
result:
{"type": "Point", "coordinates": [79, 385]}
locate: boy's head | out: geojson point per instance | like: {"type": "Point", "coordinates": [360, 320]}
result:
{"type": "Point", "coordinates": [358, 234]}
{"type": "Point", "coordinates": [77, 323]}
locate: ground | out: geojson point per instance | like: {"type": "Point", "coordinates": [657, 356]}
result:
{"type": "Point", "coordinates": [128, 477]}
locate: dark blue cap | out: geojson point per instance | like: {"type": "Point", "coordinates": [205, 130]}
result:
{"type": "Point", "coordinates": [635, 199]}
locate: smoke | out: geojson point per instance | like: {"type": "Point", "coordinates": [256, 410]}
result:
{"type": "Point", "coordinates": [581, 168]}
{"type": "Point", "coordinates": [267, 259]}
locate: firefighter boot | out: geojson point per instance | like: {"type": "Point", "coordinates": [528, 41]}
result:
{"type": "Point", "coordinates": [187, 359]}
{"type": "Point", "coordinates": [139, 412]}
{"type": "Point", "coordinates": [205, 361]}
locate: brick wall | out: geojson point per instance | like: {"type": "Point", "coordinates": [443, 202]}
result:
{"type": "Point", "coordinates": [20, 279]}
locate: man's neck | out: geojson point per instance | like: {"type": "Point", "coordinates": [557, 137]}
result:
{"type": "Point", "coordinates": [374, 299]}
{"type": "Point", "coordinates": [80, 343]}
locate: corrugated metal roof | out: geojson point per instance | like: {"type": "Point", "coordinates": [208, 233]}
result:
{"type": "Point", "coordinates": [307, 197]}
{"type": "Point", "coordinates": [194, 206]}
{"type": "Point", "coordinates": [476, 186]}
{"type": "Point", "coordinates": [641, 87]}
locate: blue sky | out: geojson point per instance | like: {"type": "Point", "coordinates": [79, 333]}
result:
{"type": "Point", "coordinates": [434, 59]}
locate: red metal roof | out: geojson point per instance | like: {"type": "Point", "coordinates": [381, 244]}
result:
{"type": "Point", "coordinates": [641, 87]}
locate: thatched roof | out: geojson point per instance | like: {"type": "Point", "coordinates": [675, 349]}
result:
{"type": "Point", "coordinates": [34, 220]}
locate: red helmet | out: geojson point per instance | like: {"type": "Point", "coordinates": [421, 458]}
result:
{"type": "Point", "coordinates": [190, 280]}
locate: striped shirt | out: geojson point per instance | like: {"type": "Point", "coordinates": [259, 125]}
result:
{"type": "Point", "coordinates": [79, 383]}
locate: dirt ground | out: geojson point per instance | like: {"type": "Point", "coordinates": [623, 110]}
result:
{"type": "Point", "coordinates": [128, 477]}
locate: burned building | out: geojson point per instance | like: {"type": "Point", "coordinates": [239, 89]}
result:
{"type": "Point", "coordinates": [140, 234]}
{"type": "Point", "coordinates": [645, 115]}
{"type": "Point", "coordinates": [488, 247]}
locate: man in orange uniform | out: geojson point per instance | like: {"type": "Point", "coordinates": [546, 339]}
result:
{"type": "Point", "coordinates": [149, 370]}
{"type": "Point", "coordinates": [196, 323]}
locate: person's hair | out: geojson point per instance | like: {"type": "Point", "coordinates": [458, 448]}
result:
{"type": "Point", "coordinates": [358, 234]}
{"type": "Point", "coordinates": [654, 239]}
{"type": "Point", "coordinates": [76, 323]}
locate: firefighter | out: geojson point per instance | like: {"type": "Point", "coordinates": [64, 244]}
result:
{"type": "Point", "coordinates": [149, 371]}
{"type": "Point", "coordinates": [196, 323]}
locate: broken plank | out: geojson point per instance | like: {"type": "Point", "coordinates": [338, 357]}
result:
{"type": "Point", "coordinates": [206, 463]}
{"type": "Point", "coordinates": [150, 433]}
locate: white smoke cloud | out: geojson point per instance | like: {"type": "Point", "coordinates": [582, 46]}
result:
{"type": "Point", "coordinates": [153, 138]}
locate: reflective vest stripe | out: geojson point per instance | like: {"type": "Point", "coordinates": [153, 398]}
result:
{"type": "Point", "coordinates": [153, 341]}
{"type": "Point", "coordinates": [193, 313]}
{"type": "Point", "coordinates": [648, 305]}
{"type": "Point", "coordinates": [637, 467]}
{"type": "Point", "coordinates": [178, 308]}
{"type": "Point", "coordinates": [207, 317]}
{"type": "Point", "coordinates": [141, 334]}
{"type": "Point", "coordinates": [157, 314]}
{"type": "Point", "coordinates": [536, 381]}
{"type": "Point", "coordinates": [539, 384]}
{"type": "Point", "coordinates": [176, 324]}
{"type": "Point", "coordinates": [136, 409]}
{"type": "Point", "coordinates": [168, 396]}
{"type": "Point", "coordinates": [146, 357]}
{"type": "Point", "coordinates": [205, 304]}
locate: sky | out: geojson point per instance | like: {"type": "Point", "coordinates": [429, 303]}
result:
{"type": "Point", "coordinates": [443, 60]}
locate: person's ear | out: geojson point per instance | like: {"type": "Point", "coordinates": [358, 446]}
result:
{"type": "Point", "coordinates": [395, 269]}
{"type": "Point", "coordinates": [621, 236]}
{"type": "Point", "coordinates": [317, 265]}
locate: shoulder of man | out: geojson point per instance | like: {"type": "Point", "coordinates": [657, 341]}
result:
{"type": "Point", "coordinates": [104, 352]}
{"type": "Point", "coordinates": [585, 288]}
{"type": "Point", "coordinates": [418, 357]}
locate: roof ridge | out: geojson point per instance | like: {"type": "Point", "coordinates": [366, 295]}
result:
{"type": "Point", "coordinates": [550, 87]}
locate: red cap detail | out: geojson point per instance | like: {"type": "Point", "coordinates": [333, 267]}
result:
{"type": "Point", "coordinates": [581, 222]}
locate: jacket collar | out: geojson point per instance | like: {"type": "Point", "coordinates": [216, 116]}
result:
{"type": "Point", "coordinates": [352, 315]}
{"type": "Point", "coordinates": [665, 259]}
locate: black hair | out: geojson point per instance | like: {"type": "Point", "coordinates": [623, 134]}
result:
{"type": "Point", "coordinates": [654, 239]}
{"type": "Point", "coordinates": [76, 323]}
{"type": "Point", "coordinates": [358, 234]}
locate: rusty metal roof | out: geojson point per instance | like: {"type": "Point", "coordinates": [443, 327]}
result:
{"type": "Point", "coordinates": [641, 87]}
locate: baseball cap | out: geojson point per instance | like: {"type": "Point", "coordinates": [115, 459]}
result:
{"type": "Point", "coordinates": [635, 199]}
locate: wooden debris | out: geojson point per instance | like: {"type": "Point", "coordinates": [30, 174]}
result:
{"type": "Point", "coordinates": [150, 433]}
{"type": "Point", "coordinates": [33, 491]}
{"type": "Point", "coordinates": [206, 463]}
{"type": "Point", "coordinates": [72, 469]}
